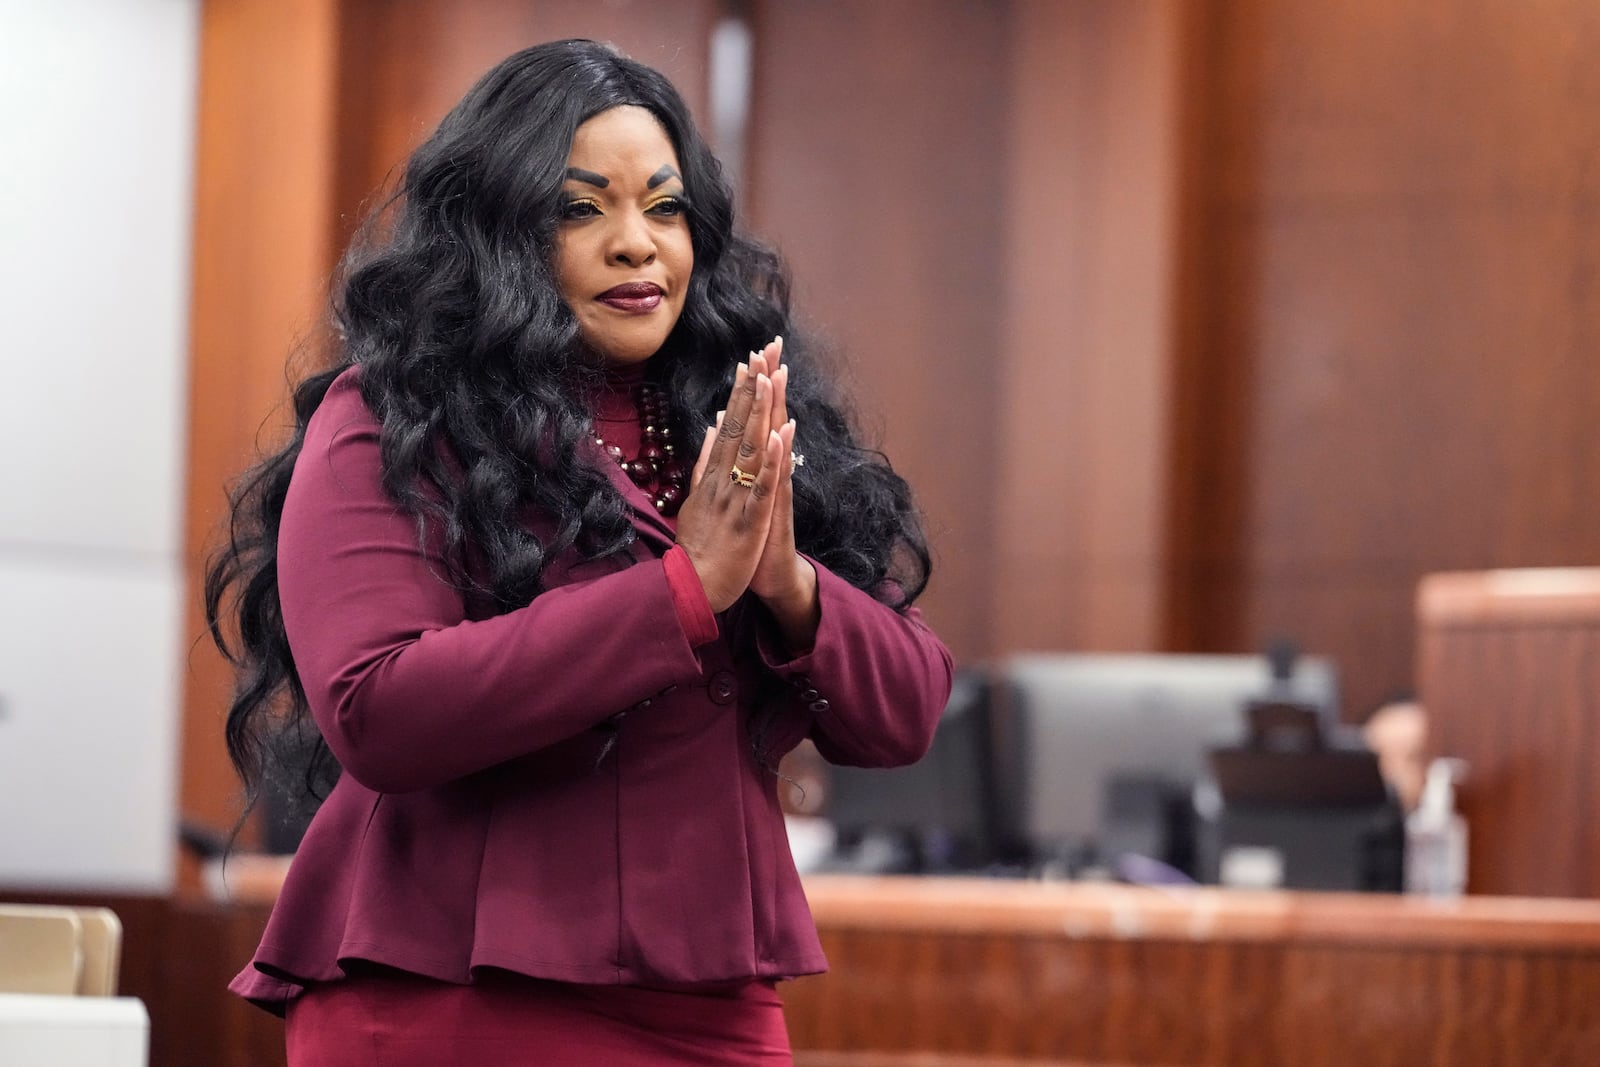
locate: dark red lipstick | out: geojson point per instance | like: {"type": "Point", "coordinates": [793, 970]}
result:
{"type": "Point", "coordinates": [636, 298]}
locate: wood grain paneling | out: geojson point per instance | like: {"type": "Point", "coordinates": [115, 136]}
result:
{"type": "Point", "coordinates": [1210, 433]}
{"type": "Point", "coordinates": [973, 973]}
{"type": "Point", "coordinates": [1085, 355]}
{"type": "Point", "coordinates": [263, 179]}
{"type": "Point", "coordinates": [201, 1023]}
{"type": "Point", "coordinates": [1509, 663]}
{"type": "Point", "coordinates": [877, 165]}
{"type": "Point", "coordinates": [403, 66]}
{"type": "Point", "coordinates": [1393, 237]}
{"type": "Point", "coordinates": [1119, 975]}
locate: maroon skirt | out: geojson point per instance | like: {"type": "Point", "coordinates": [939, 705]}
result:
{"type": "Point", "coordinates": [400, 1020]}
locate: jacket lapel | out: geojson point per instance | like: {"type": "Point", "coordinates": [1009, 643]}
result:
{"type": "Point", "coordinates": [646, 519]}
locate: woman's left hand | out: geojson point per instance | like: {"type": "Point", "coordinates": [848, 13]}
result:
{"type": "Point", "coordinates": [785, 580]}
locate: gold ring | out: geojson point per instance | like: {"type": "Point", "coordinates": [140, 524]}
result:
{"type": "Point", "coordinates": [739, 477]}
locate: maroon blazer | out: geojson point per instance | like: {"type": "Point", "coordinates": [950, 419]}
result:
{"type": "Point", "coordinates": [483, 820]}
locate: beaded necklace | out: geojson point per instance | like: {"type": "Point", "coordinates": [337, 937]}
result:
{"type": "Point", "coordinates": [656, 469]}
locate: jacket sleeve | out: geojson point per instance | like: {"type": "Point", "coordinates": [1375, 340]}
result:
{"type": "Point", "coordinates": [407, 690]}
{"type": "Point", "coordinates": [876, 680]}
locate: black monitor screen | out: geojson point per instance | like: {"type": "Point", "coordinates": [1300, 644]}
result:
{"type": "Point", "coordinates": [938, 813]}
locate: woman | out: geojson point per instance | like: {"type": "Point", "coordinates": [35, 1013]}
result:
{"type": "Point", "coordinates": [556, 655]}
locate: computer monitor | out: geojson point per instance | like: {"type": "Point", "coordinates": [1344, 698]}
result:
{"type": "Point", "coordinates": [938, 814]}
{"type": "Point", "coordinates": [1099, 752]}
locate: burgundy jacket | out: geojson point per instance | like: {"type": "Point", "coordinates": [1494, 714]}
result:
{"type": "Point", "coordinates": [495, 811]}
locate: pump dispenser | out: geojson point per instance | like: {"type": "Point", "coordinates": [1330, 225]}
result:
{"type": "Point", "coordinates": [1436, 835]}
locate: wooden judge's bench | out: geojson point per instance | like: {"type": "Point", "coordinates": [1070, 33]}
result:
{"type": "Point", "coordinates": [937, 972]}
{"type": "Point", "coordinates": [1508, 667]}
{"type": "Point", "coordinates": [995, 973]}
{"type": "Point", "coordinates": [971, 972]}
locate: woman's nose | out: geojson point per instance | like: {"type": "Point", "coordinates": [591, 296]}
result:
{"type": "Point", "coordinates": [631, 243]}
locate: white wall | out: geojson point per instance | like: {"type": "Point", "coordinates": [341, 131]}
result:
{"type": "Point", "coordinates": [96, 147]}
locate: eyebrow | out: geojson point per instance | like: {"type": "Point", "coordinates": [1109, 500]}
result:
{"type": "Point", "coordinates": [589, 177]}
{"type": "Point", "coordinates": [662, 175]}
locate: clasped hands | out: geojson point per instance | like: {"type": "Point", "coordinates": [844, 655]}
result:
{"type": "Point", "coordinates": [740, 534]}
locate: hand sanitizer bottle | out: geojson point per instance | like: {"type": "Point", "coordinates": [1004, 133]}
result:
{"type": "Point", "coordinates": [1436, 835]}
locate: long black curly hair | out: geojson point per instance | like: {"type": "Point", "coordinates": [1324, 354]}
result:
{"type": "Point", "coordinates": [471, 364]}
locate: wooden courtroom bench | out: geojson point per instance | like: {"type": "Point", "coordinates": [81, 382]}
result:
{"type": "Point", "coordinates": [995, 972]}
{"type": "Point", "coordinates": [943, 972]}
{"type": "Point", "coordinates": [1508, 671]}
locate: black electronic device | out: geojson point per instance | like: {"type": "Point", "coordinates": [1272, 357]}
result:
{"type": "Point", "coordinates": [1300, 805]}
{"type": "Point", "coordinates": [935, 816]}
{"type": "Point", "coordinates": [1323, 777]}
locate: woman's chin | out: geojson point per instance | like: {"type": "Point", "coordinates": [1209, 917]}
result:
{"type": "Point", "coordinates": [626, 354]}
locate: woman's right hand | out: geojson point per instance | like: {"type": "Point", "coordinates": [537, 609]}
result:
{"type": "Point", "coordinates": [723, 525]}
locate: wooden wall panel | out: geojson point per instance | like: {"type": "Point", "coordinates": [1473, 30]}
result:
{"type": "Point", "coordinates": [877, 165]}
{"type": "Point", "coordinates": [1084, 358]}
{"type": "Point", "coordinates": [403, 66]}
{"type": "Point", "coordinates": [1509, 666]}
{"type": "Point", "coordinates": [1394, 372]}
{"type": "Point", "coordinates": [1210, 477]}
{"type": "Point", "coordinates": [263, 177]}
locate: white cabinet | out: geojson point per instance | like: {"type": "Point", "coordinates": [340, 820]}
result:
{"type": "Point", "coordinates": [89, 680]}
{"type": "Point", "coordinates": [97, 119]}
{"type": "Point", "coordinates": [73, 1031]}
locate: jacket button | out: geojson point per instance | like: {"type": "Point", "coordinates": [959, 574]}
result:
{"type": "Point", "coordinates": [799, 681]}
{"type": "Point", "coordinates": [819, 706]}
{"type": "Point", "coordinates": [809, 694]}
{"type": "Point", "coordinates": [722, 687]}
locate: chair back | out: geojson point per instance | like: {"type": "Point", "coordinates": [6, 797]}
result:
{"type": "Point", "coordinates": [59, 951]}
